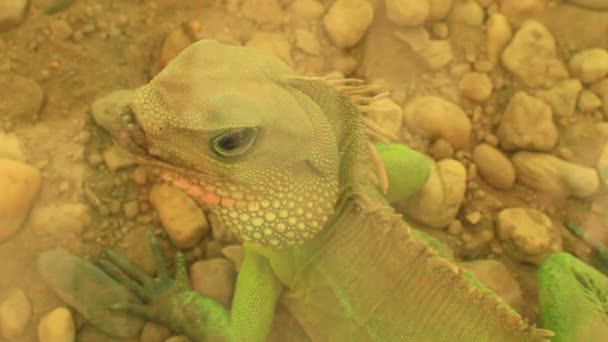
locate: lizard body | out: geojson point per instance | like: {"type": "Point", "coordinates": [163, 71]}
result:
{"type": "Point", "coordinates": [282, 160]}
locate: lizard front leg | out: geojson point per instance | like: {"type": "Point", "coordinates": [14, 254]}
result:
{"type": "Point", "coordinates": [173, 303]}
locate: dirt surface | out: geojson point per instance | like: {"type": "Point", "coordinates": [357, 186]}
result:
{"type": "Point", "coordinates": [61, 56]}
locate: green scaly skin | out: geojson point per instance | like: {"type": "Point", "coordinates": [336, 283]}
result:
{"type": "Point", "coordinates": [318, 236]}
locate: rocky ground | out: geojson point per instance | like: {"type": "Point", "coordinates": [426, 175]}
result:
{"type": "Point", "coordinates": [508, 97]}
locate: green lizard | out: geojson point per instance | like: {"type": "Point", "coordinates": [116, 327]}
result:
{"type": "Point", "coordinates": [283, 160]}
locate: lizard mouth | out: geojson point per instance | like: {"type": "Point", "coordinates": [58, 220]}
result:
{"type": "Point", "coordinates": [131, 135]}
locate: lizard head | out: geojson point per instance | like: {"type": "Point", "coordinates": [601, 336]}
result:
{"type": "Point", "coordinates": [224, 124]}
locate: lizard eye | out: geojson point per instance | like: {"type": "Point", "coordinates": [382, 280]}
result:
{"type": "Point", "coordinates": [235, 142]}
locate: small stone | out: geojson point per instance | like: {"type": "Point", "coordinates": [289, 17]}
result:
{"type": "Point", "coordinates": [57, 326]}
{"type": "Point", "coordinates": [528, 234]}
{"type": "Point", "coordinates": [474, 217]}
{"type": "Point", "coordinates": [439, 9]}
{"type": "Point", "coordinates": [386, 114]}
{"type": "Point", "coordinates": [10, 147]}
{"type": "Point", "coordinates": [527, 124]}
{"type": "Point", "coordinates": [154, 333]}
{"type": "Point", "coordinates": [441, 149]}
{"type": "Point", "coordinates": [182, 219]}
{"type": "Point", "coordinates": [20, 184]}
{"type": "Point", "coordinates": [467, 12]}
{"type": "Point", "coordinates": [440, 30]}
{"type": "Point", "coordinates": [589, 65]}
{"type": "Point", "coordinates": [562, 97]}
{"type": "Point", "coordinates": [408, 13]}
{"type": "Point", "coordinates": [274, 43]}
{"type": "Point", "coordinates": [497, 277]}
{"type": "Point", "coordinates": [214, 279]}
{"type": "Point", "coordinates": [174, 43]}
{"type": "Point", "coordinates": [307, 9]}
{"type": "Point", "coordinates": [15, 312]}
{"type": "Point", "coordinates": [436, 118]}
{"type": "Point", "coordinates": [532, 56]}
{"type": "Point", "coordinates": [307, 42]}
{"type": "Point", "coordinates": [437, 54]}
{"type": "Point", "coordinates": [140, 175]}
{"type": "Point", "coordinates": [12, 13]}
{"type": "Point", "coordinates": [588, 101]}
{"type": "Point", "coordinates": [60, 219]}
{"type": "Point", "coordinates": [61, 29]}
{"type": "Point", "coordinates": [551, 175]}
{"type": "Point", "coordinates": [116, 158]}
{"type": "Point", "coordinates": [347, 21]}
{"type": "Point", "coordinates": [235, 255]}
{"type": "Point", "coordinates": [21, 97]}
{"type": "Point", "coordinates": [108, 108]}
{"type": "Point", "coordinates": [498, 35]}
{"type": "Point", "coordinates": [455, 227]}
{"type": "Point", "coordinates": [495, 168]}
{"type": "Point", "coordinates": [345, 64]}
{"type": "Point", "coordinates": [439, 200]}
{"type": "Point", "coordinates": [263, 11]}
{"type": "Point", "coordinates": [476, 86]}
{"type": "Point", "coordinates": [130, 209]}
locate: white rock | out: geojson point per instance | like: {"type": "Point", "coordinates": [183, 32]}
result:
{"type": "Point", "coordinates": [409, 13]}
{"type": "Point", "coordinates": [12, 12]}
{"type": "Point", "coordinates": [436, 118]}
{"type": "Point", "coordinates": [527, 124]}
{"type": "Point", "coordinates": [15, 312]}
{"type": "Point", "coordinates": [437, 54]}
{"type": "Point", "coordinates": [57, 326]}
{"type": "Point", "coordinates": [589, 65]}
{"type": "Point", "coordinates": [562, 97]}
{"type": "Point", "coordinates": [588, 101]}
{"type": "Point", "coordinates": [263, 11]}
{"type": "Point", "coordinates": [551, 175]}
{"type": "Point", "coordinates": [439, 200]}
{"type": "Point", "coordinates": [467, 12]}
{"type": "Point", "coordinates": [182, 219]}
{"type": "Point", "coordinates": [476, 86]}
{"type": "Point", "coordinates": [387, 114]}
{"type": "Point", "coordinates": [214, 278]}
{"type": "Point", "coordinates": [307, 42]}
{"type": "Point", "coordinates": [439, 9]}
{"type": "Point", "coordinates": [307, 9]}
{"type": "Point", "coordinates": [498, 35]}
{"type": "Point", "coordinates": [494, 167]}
{"type": "Point", "coordinates": [532, 56]}
{"type": "Point", "coordinates": [347, 21]}
{"type": "Point", "coordinates": [275, 43]}
{"type": "Point", "coordinates": [20, 184]}
{"type": "Point", "coordinates": [528, 235]}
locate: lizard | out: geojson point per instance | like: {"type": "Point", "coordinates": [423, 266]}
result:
{"type": "Point", "coordinates": [283, 161]}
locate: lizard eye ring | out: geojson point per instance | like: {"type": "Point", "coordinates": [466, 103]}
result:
{"type": "Point", "coordinates": [234, 142]}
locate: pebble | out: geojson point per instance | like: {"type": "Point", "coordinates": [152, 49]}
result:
{"type": "Point", "coordinates": [15, 312]}
{"type": "Point", "coordinates": [590, 65]}
{"type": "Point", "coordinates": [584, 151]}
{"type": "Point", "coordinates": [467, 12]}
{"type": "Point", "coordinates": [12, 13]}
{"type": "Point", "coordinates": [495, 167]}
{"type": "Point", "coordinates": [439, 200]}
{"type": "Point", "coordinates": [345, 64]}
{"type": "Point", "coordinates": [10, 147]}
{"type": "Point", "coordinates": [154, 333]}
{"type": "Point", "coordinates": [408, 13]}
{"type": "Point", "coordinates": [106, 109]}
{"type": "Point", "coordinates": [532, 56]}
{"type": "Point", "coordinates": [455, 227]}
{"type": "Point", "coordinates": [57, 326]}
{"type": "Point", "coordinates": [347, 21]}
{"type": "Point", "coordinates": [275, 43]}
{"type": "Point", "coordinates": [21, 97]}
{"type": "Point", "coordinates": [515, 8]}
{"type": "Point", "coordinates": [174, 43]}
{"type": "Point", "coordinates": [182, 219]}
{"type": "Point", "coordinates": [437, 54]}
{"type": "Point", "coordinates": [591, 4]}
{"type": "Point", "coordinates": [554, 176]}
{"type": "Point", "coordinates": [387, 114]}
{"type": "Point", "coordinates": [60, 29]}
{"type": "Point", "coordinates": [436, 118]}
{"type": "Point", "coordinates": [528, 235]}
{"type": "Point", "coordinates": [130, 209]}
{"type": "Point", "coordinates": [562, 97]}
{"type": "Point", "coordinates": [495, 275]}
{"type": "Point", "coordinates": [60, 219]}
{"type": "Point", "coordinates": [20, 184]}
{"type": "Point", "coordinates": [235, 255]}
{"type": "Point", "coordinates": [307, 9]}
{"type": "Point", "coordinates": [263, 11]}
{"type": "Point", "coordinates": [498, 35]}
{"type": "Point", "coordinates": [588, 101]}
{"type": "Point", "coordinates": [527, 124]}
{"type": "Point", "coordinates": [441, 149]}
{"type": "Point", "coordinates": [307, 42]}
{"type": "Point", "coordinates": [476, 86]}
{"type": "Point", "coordinates": [439, 9]}
{"type": "Point", "coordinates": [440, 30]}
{"type": "Point", "coordinates": [474, 217]}
{"type": "Point", "coordinates": [116, 158]}
{"type": "Point", "coordinates": [602, 165]}
{"type": "Point", "coordinates": [214, 279]}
